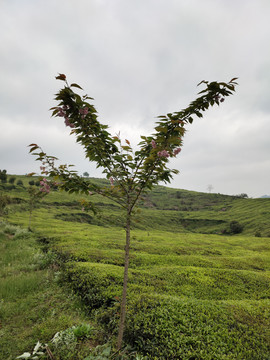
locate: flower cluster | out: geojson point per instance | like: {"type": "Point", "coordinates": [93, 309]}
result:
{"type": "Point", "coordinates": [163, 153]}
{"type": "Point", "coordinates": [219, 98]}
{"type": "Point", "coordinates": [153, 143]}
{"type": "Point", "coordinates": [44, 186]}
{"type": "Point", "coordinates": [84, 111]}
{"type": "Point", "coordinates": [176, 151]}
{"type": "Point", "coordinates": [62, 112]}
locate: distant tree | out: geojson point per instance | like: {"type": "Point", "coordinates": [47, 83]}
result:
{"type": "Point", "coordinates": [243, 196]}
{"type": "Point", "coordinates": [85, 174]}
{"type": "Point", "coordinates": [3, 176]}
{"type": "Point", "coordinates": [31, 182]}
{"type": "Point", "coordinates": [12, 179]}
{"type": "Point", "coordinates": [130, 173]}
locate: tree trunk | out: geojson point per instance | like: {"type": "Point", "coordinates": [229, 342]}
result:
{"type": "Point", "coordinates": [124, 295]}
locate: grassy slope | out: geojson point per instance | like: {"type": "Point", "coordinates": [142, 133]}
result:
{"type": "Point", "coordinates": [32, 306]}
{"type": "Point", "coordinates": [225, 277]}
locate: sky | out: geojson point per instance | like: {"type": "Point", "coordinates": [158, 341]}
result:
{"type": "Point", "coordinates": [140, 59]}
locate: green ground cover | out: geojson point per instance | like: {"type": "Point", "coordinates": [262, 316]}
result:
{"type": "Point", "coordinates": [191, 295]}
{"type": "Point", "coordinates": [33, 307]}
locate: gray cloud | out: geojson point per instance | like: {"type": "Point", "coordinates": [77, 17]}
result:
{"type": "Point", "coordinates": [139, 60]}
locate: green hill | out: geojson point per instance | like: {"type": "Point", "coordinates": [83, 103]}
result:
{"type": "Point", "coordinates": [170, 209]}
{"type": "Point", "coordinates": [198, 288]}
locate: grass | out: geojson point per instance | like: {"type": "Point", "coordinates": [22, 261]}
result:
{"type": "Point", "coordinates": [32, 305]}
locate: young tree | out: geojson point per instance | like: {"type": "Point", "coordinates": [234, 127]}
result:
{"type": "Point", "coordinates": [131, 173]}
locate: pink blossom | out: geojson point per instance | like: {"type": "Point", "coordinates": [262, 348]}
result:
{"type": "Point", "coordinates": [45, 187]}
{"type": "Point", "coordinates": [177, 151]}
{"type": "Point", "coordinates": [61, 112]}
{"type": "Point", "coordinates": [68, 123]}
{"type": "Point", "coordinates": [111, 180]}
{"type": "Point", "coordinates": [163, 153]}
{"type": "Point", "coordinates": [84, 111]}
{"type": "Point", "coordinates": [90, 193]}
{"type": "Point", "coordinates": [154, 145]}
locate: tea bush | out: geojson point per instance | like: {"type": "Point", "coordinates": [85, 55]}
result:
{"type": "Point", "coordinates": [169, 328]}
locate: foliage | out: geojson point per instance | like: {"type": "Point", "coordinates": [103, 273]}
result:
{"type": "Point", "coordinates": [201, 330]}
{"type": "Point", "coordinates": [12, 179]}
{"type": "Point", "coordinates": [223, 277]}
{"type": "Point", "coordinates": [3, 176]}
{"type": "Point", "coordinates": [83, 331]}
{"type": "Point", "coordinates": [235, 227]}
{"type": "Point", "coordinates": [4, 201]}
{"type": "Point", "coordinates": [64, 342]}
{"type": "Point", "coordinates": [32, 306]}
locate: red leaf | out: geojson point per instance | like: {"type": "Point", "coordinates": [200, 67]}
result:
{"type": "Point", "coordinates": [61, 77]}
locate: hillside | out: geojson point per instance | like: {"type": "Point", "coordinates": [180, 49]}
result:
{"type": "Point", "coordinates": [165, 208]}
{"type": "Point", "coordinates": [196, 289]}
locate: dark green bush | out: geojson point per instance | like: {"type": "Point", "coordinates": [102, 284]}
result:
{"type": "Point", "coordinates": [236, 227]}
{"type": "Point", "coordinates": [19, 183]}
{"type": "Point", "coordinates": [12, 179]}
{"type": "Point", "coordinates": [258, 233]}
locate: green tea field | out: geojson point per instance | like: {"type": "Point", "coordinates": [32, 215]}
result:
{"type": "Point", "coordinates": [199, 270]}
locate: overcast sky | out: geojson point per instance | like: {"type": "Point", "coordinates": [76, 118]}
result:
{"type": "Point", "coordinates": [140, 59]}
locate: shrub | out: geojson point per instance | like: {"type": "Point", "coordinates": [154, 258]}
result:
{"type": "Point", "coordinates": [11, 180]}
{"type": "Point", "coordinates": [204, 330]}
{"type": "Point", "coordinates": [96, 284]}
{"type": "Point", "coordinates": [4, 201]}
{"type": "Point", "coordinates": [236, 227]}
{"type": "Point", "coordinates": [64, 343]}
{"type": "Point", "coordinates": [20, 183]}
{"type": "Point", "coordinates": [83, 331]}
{"type": "Point", "coordinates": [31, 182]}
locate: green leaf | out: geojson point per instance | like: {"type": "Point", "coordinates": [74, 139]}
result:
{"type": "Point", "coordinates": [76, 85]}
